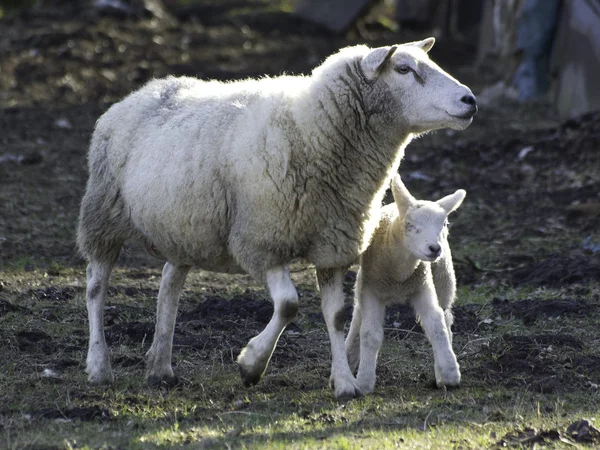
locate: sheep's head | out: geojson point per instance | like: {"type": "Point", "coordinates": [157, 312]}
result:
{"type": "Point", "coordinates": [428, 97]}
{"type": "Point", "coordinates": [425, 222]}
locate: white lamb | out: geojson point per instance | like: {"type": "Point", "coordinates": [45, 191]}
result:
{"type": "Point", "coordinates": [408, 260]}
{"type": "Point", "coordinates": [249, 175]}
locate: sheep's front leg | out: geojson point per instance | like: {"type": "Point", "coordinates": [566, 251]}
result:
{"type": "Point", "coordinates": [98, 365]}
{"type": "Point", "coordinates": [332, 305]}
{"type": "Point", "coordinates": [433, 321]}
{"type": "Point", "coordinates": [255, 357]}
{"type": "Point", "coordinates": [371, 338]}
{"type": "Point", "coordinates": [158, 363]}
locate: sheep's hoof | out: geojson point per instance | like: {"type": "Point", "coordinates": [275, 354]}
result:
{"type": "Point", "coordinates": [168, 382]}
{"type": "Point", "coordinates": [249, 378]}
{"type": "Point", "coordinates": [102, 379]}
{"type": "Point", "coordinates": [449, 378]}
{"type": "Point", "coordinates": [100, 376]}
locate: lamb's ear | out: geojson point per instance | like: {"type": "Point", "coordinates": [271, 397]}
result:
{"type": "Point", "coordinates": [425, 44]}
{"type": "Point", "coordinates": [402, 197]}
{"type": "Point", "coordinates": [453, 201]}
{"type": "Point", "coordinates": [374, 62]}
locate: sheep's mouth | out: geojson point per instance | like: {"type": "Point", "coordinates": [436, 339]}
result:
{"type": "Point", "coordinates": [461, 121]}
{"type": "Point", "coordinates": [465, 116]}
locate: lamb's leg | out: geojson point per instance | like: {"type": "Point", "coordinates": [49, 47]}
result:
{"type": "Point", "coordinates": [353, 338]}
{"type": "Point", "coordinates": [158, 362]}
{"type": "Point", "coordinates": [255, 357]}
{"type": "Point", "coordinates": [444, 281]}
{"type": "Point", "coordinates": [449, 317]}
{"type": "Point", "coordinates": [371, 338]}
{"type": "Point", "coordinates": [98, 364]}
{"type": "Point", "coordinates": [332, 305]}
{"type": "Point", "coordinates": [433, 321]}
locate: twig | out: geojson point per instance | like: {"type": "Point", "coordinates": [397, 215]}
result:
{"type": "Point", "coordinates": [425, 423]}
{"type": "Point", "coordinates": [402, 330]}
{"type": "Point", "coordinates": [472, 341]}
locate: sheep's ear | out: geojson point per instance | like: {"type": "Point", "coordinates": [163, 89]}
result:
{"type": "Point", "coordinates": [452, 202]}
{"type": "Point", "coordinates": [425, 44]}
{"type": "Point", "coordinates": [374, 62]}
{"type": "Point", "coordinates": [402, 197]}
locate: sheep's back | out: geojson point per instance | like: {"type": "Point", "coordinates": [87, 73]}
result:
{"type": "Point", "coordinates": [183, 151]}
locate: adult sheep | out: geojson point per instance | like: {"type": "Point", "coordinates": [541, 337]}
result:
{"type": "Point", "coordinates": [249, 175]}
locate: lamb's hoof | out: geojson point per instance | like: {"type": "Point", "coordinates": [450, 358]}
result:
{"type": "Point", "coordinates": [249, 378]}
{"type": "Point", "coordinates": [165, 381]}
{"type": "Point", "coordinates": [366, 388]}
{"type": "Point", "coordinates": [345, 397]}
{"type": "Point", "coordinates": [344, 391]}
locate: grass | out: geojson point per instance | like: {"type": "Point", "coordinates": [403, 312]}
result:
{"type": "Point", "coordinates": [292, 407]}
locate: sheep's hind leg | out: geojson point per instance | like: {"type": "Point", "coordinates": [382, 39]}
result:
{"type": "Point", "coordinates": [255, 357]}
{"type": "Point", "coordinates": [158, 364]}
{"type": "Point", "coordinates": [332, 304]}
{"type": "Point", "coordinates": [433, 321]}
{"type": "Point", "coordinates": [98, 363]}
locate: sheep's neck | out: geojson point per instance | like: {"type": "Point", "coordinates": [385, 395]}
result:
{"type": "Point", "coordinates": [358, 150]}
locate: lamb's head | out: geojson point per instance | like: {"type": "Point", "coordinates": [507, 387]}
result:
{"type": "Point", "coordinates": [424, 222]}
{"type": "Point", "coordinates": [428, 97]}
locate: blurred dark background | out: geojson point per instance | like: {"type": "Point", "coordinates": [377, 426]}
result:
{"type": "Point", "coordinates": [523, 50]}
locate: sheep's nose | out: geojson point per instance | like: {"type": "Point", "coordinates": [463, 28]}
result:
{"type": "Point", "coordinates": [435, 250]}
{"type": "Point", "coordinates": [469, 99]}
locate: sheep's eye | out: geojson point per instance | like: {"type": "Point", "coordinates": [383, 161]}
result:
{"type": "Point", "coordinates": [411, 228]}
{"type": "Point", "coordinates": [404, 69]}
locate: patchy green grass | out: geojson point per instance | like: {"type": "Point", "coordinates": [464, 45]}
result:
{"type": "Point", "coordinates": [519, 371]}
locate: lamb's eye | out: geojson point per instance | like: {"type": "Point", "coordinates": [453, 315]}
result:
{"type": "Point", "coordinates": [403, 69]}
{"type": "Point", "coordinates": [410, 228]}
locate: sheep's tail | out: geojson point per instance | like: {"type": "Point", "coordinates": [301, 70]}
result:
{"type": "Point", "coordinates": [103, 219]}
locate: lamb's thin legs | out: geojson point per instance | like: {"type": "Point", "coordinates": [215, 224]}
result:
{"type": "Point", "coordinates": [332, 305]}
{"type": "Point", "coordinates": [353, 338]}
{"type": "Point", "coordinates": [255, 357]}
{"type": "Point", "coordinates": [158, 363]}
{"type": "Point", "coordinates": [98, 363]}
{"type": "Point", "coordinates": [449, 321]}
{"type": "Point", "coordinates": [433, 321]}
{"type": "Point", "coordinates": [371, 338]}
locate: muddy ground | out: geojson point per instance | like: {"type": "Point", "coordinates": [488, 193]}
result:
{"type": "Point", "coordinates": [526, 242]}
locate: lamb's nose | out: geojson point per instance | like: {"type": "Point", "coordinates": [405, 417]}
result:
{"type": "Point", "coordinates": [435, 250]}
{"type": "Point", "coordinates": [469, 99]}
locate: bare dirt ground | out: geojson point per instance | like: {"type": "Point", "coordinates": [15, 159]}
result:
{"type": "Point", "coordinates": [526, 242]}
